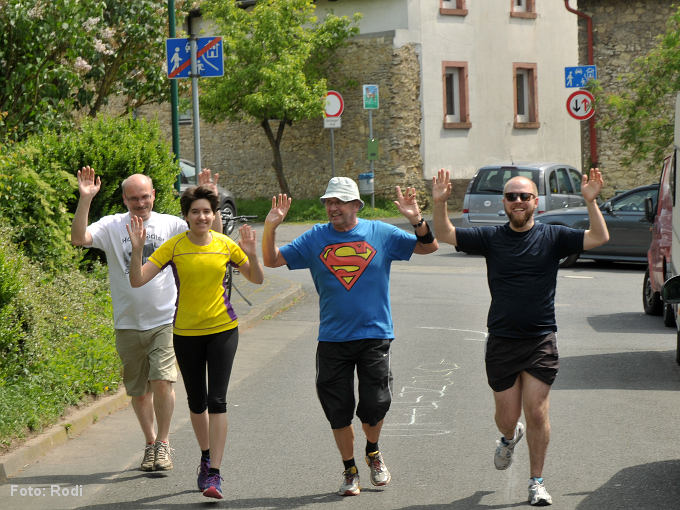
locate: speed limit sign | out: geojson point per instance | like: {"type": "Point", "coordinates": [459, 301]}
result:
{"type": "Point", "coordinates": [580, 105]}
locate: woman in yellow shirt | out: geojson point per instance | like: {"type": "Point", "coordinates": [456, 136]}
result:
{"type": "Point", "coordinates": [205, 325]}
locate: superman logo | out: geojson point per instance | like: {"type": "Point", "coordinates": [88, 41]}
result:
{"type": "Point", "coordinates": [347, 261]}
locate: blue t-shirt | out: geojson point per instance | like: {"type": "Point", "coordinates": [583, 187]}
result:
{"type": "Point", "coordinates": [351, 272]}
{"type": "Point", "coordinates": [522, 274]}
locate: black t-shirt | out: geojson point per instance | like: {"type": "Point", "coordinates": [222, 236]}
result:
{"type": "Point", "coordinates": [522, 273]}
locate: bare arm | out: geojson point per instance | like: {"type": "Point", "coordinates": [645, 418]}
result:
{"type": "Point", "coordinates": [252, 269]}
{"type": "Point", "coordinates": [408, 206]}
{"type": "Point", "coordinates": [88, 187]}
{"type": "Point", "coordinates": [271, 256]}
{"type": "Point", "coordinates": [205, 177]}
{"type": "Point", "coordinates": [441, 190]}
{"type": "Point", "coordinates": [597, 234]}
{"type": "Point", "coordinates": [139, 275]}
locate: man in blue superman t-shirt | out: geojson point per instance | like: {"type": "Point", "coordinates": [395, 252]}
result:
{"type": "Point", "coordinates": [349, 259]}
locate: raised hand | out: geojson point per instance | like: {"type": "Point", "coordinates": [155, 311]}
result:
{"type": "Point", "coordinates": [137, 232]}
{"type": "Point", "coordinates": [592, 185]}
{"type": "Point", "coordinates": [407, 204]}
{"type": "Point", "coordinates": [205, 176]}
{"type": "Point", "coordinates": [248, 239]}
{"type": "Point", "coordinates": [88, 185]}
{"type": "Point", "coordinates": [280, 207]}
{"type": "Point", "coordinates": [441, 186]}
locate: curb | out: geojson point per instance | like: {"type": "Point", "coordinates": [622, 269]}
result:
{"type": "Point", "coordinates": [81, 419]}
{"type": "Point", "coordinates": [60, 433]}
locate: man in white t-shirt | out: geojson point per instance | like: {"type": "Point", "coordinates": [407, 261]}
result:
{"type": "Point", "coordinates": [142, 317]}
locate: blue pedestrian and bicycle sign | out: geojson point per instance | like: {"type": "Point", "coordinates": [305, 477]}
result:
{"type": "Point", "coordinates": [579, 76]}
{"type": "Point", "coordinates": [210, 61]}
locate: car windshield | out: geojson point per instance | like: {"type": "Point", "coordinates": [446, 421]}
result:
{"type": "Point", "coordinates": [188, 172]}
{"type": "Point", "coordinates": [490, 181]}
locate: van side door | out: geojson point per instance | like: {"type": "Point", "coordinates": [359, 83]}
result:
{"type": "Point", "coordinates": [558, 188]}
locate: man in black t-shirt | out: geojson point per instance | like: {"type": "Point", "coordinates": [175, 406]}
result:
{"type": "Point", "coordinates": [522, 258]}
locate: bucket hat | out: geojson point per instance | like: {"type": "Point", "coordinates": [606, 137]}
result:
{"type": "Point", "coordinates": [342, 188]}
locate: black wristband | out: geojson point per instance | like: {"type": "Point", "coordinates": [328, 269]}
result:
{"type": "Point", "coordinates": [427, 238]}
{"type": "Point", "coordinates": [422, 220]}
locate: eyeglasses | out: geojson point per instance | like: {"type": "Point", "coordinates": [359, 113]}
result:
{"type": "Point", "coordinates": [524, 197]}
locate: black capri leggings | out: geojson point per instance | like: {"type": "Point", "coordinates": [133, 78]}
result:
{"type": "Point", "coordinates": [217, 351]}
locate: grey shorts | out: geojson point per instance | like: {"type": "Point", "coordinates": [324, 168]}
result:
{"type": "Point", "coordinates": [505, 358]}
{"type": "Point", "coordinates": [147, 356]}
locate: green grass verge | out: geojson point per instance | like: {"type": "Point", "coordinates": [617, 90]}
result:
{"type": "Point", "coordinates": [56, 342]}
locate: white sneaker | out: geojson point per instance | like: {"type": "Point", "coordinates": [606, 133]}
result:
{"type": "Point", "coordinates": [538, 495]}
{"type": "Point", "coordinates": [350, 483]}
{"type": "Point", "coordinates": [503, 457]}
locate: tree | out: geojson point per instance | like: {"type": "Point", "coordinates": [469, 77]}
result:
{"type": "Point", "coordinates": [58, 57]}
{"type": "Point", "coordinates": [275, 57]}
{"type": "Point", "coordinates": [642, 115]}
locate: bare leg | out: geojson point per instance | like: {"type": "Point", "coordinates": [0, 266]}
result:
{"type": "Point", "coordinates": [164, 405]}
{"type": "Point", "coordinates": [372, 432]}
{"type": "Point", "coordinates": [218, 437]}
{"type": "Point", "coordinates": [536, 396]}
{"type": "Point", "coordinates": [199, 422]}
{"type": "Point", "coordinates": [508, 408]}
{"type": "Point", "coordinates": [344, 439]}
{"type": "Point", "coordinates": [143, 407]}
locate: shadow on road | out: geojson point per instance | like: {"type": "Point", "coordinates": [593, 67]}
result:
{"type": "Point", "coordinates": [470, 503]}
{"type": "Point", "coordinates": [644, 487]}
{"type": "Point", "coordinates": [638, 370]}
{"type": "Point", "coordinates": [629, 322]}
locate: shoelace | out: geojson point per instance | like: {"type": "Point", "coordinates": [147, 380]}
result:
{"type": "Point", "coordinates": [214, 480]}
{"type": "Point", "coordinates": [163, 451]}
{"type": "Point", "coordinates": [376, 463]}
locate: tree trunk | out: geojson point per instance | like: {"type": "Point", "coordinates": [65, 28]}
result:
{"type": "Point", "coordinates": [275, 143]}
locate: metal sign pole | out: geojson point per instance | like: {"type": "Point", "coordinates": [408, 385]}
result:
{"type": "Point", "coordinates": [194, 99]}
{"type": "Point", "coordinates": [332, 153]}
{"type": "Point", "coordinates": [370, 134]}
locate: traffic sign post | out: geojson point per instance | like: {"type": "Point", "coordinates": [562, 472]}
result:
{"type": "Point", "coordinates": [332, 119]}
{"type": "Point", "coordinates": [580, 105]}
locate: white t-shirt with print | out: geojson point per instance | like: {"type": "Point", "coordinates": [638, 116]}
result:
{"type": "Point", "coordinates": [150, 305]}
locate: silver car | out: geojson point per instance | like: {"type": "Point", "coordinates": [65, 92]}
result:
{"type": "Point", "coordinates": [559, 186]}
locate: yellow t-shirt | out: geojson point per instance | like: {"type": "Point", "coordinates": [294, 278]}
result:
{"type": "Point", "coordinates": [202, 307]}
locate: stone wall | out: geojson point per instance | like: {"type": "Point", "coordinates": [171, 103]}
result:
{"type": "Point", "coordinates": [242, 156]}
{"type": "Point", "coordinates": [623, 30]}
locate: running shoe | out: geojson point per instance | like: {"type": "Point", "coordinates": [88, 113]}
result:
{"type": "Point", "coordinates": [149, 458]}
{"type": "Point", "coordinates": [503, 457]}
{"type": "Point", "coordinates": [203, 468]}
{"type": "Point", "coordinates": [213, 486]}
{"type": "Point", "coordinates": [350, 482]}
{"type": "Point", "coordinates": [162, 461]}
{"type": "Point", "coordinates": [379, 474]}
{"type": "Point", "coordinates": [538, 495]}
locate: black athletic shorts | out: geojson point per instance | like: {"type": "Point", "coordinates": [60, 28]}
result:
{"type": "Point", "coordinates": [506, 357]}
{"type": "Point", "coordinates": [335, 365]}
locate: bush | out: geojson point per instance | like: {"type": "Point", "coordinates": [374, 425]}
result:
{"type": "Point", "coordinates": [56, 341]}
{"type": "Point", "coordinates": [39, 190]}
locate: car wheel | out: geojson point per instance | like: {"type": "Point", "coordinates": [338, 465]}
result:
{"type": "Point", "coordinates": [569, 260]}
{"type": "Point", "coordinates": [228, 213]}
{"type": "Point", "coordinates": [651, 301]}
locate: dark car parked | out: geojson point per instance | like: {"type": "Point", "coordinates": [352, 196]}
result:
{"type": "Point", "coordinates": [629, 229]}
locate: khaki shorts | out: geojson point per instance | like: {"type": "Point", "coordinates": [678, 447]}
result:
{"type": "Point", "coordinates": [146, 356]}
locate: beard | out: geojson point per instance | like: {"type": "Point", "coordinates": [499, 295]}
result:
{"type": "Point", "coordinates": [519, 221]}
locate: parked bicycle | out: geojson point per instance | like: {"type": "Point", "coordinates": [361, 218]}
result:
{"type": "Point", "coordinates": [229, 222]}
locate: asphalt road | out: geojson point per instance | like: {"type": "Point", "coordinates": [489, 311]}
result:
{"type": "Point", "coordinates": [614, 411]}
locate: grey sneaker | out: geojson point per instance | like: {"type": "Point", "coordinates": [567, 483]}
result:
{"type": "Point", "coordinates": [149, 457]}
{"type": "Point", "coordinates": [538, 495]}
{"type": "Point", "coordinates": [350, 483]}
{"type": "Point", "coordinates": [503, 457]}
{"type": "Point", "coordinates": [379, 474]}
{"type": "Point", "coordinates": [163, 462]}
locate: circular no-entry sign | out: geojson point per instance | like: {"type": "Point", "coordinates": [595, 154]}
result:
{"type": "Point", "coordinates": [334, 104]}
{"type": "Point", "coordinates": [580, 105]}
